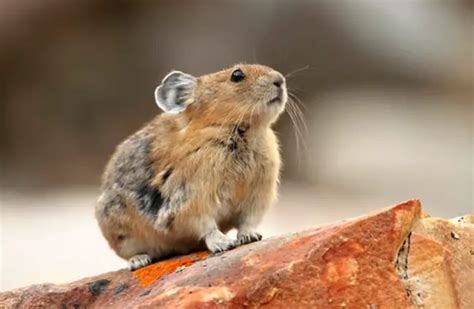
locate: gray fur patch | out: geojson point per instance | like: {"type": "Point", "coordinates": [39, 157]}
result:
{"type": "Point", "coordinates": [132, 173]}
{"type": "Point", "coordinates": [112, 202]}
{"type": "Point", "coordinates": [133, 166]}
{"type": "Point", "coordinates": [150, 199]}
{"type": "Point", "coordinates": [166, 214]}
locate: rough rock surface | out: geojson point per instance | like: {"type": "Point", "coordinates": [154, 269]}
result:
{"type": "Point", "coordinates": [388, 259]}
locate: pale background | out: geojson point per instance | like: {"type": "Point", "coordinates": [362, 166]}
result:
{"type": "Point", "coordinates": [388, 99]}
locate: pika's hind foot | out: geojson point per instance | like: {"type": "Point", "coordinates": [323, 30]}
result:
{"type": "Point", "coordinates": [217, 242]}
{"type": "Point", "coordinates": [139, 261]}
{"type": "Point", "coordinates": [248, 237]}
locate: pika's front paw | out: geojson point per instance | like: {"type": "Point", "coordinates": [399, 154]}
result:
{"type": "Point", "coordinates": [139, 261]}
{"type": "Point", "coordinates": [248, 237]}
{"type": "Point", "coordinates": [217, 242]}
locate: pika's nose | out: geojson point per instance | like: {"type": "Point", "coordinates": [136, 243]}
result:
{"type": "Point", "coordinates": [278, 79]}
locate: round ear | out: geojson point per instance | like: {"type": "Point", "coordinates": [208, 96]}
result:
{"type": "Point", "coordinates": [175, 92]}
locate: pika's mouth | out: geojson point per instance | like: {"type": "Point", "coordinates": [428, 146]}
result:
{"type": "Point", "coordinates": [278, 98]}
{"type": "Point", "coordinates": [275, 100]}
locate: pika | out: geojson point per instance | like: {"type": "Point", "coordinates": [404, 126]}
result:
{"type": "Point", "coordinates": [209, 163]}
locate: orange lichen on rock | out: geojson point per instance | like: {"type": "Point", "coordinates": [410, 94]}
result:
{"type": "Point", "coordinates": [147, 275]}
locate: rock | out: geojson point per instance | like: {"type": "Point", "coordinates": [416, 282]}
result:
{"type": "Point", "coordinates": [442, 262]}
{"type": "Point", "coordinates": [388, 259]}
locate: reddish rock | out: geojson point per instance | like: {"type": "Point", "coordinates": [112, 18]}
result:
{"type": "Point", "coordinates": [388, 259]}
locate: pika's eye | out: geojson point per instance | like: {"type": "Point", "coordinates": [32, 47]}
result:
{"type": "Point", "coordinates": [237, 76]}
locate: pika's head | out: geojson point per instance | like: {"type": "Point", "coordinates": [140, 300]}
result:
{"type": "Point", "coordinates": [243, 93]}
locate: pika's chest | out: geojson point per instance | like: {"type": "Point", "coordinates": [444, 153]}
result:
{"type": "Point", "coordinates": [247, 158]}
{"type": "Point", "coordinates": [251, 166]}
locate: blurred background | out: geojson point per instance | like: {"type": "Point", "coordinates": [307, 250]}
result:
{"type": "Point", "coordinates": [387, 89]}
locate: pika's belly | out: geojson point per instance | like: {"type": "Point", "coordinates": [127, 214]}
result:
{"type": "Point", "coordinates": [236, 198]}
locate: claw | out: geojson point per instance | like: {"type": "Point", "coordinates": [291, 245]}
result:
{"type": "Point", "coordinates": [217, 242]}
{"type": "Point", "coordinates": [248, 237]}
{"type": "Point", "coordinates": [139, 261]}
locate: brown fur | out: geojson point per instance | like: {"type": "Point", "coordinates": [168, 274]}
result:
{"type": "Point", "coordinates": [215, 165]}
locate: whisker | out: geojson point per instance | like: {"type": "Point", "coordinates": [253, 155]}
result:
{"type": "Point", "coordinates": [294, 89]}
{"type": "Point", "coordinates": [297, 138]}
{"type": "Point", "coordinates": [303, 128]}
{"type": "Point", "coordinates": [299, 128]}
{"type": "Point", "coordinates": [306, 67]}
{"type": "Point", "coordinates": [296, 99]}
{"type": "Point", "coordinates": [300, 114]}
